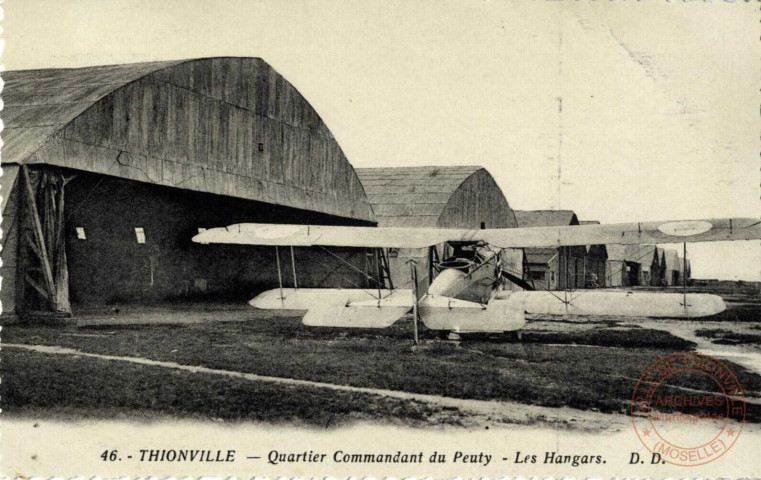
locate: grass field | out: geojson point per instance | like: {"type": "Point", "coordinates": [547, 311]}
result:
{"type": "Point", "coordinates": [79, 387]}
{"type": "Point", "coordinates": [588, 369]}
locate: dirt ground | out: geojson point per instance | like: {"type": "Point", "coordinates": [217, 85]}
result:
{"type": "Point", "coordinates": [233, 363]}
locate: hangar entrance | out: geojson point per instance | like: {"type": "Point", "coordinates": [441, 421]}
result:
{"type": "Point", "coordinates": [34, 261]}
{"type": "Point", "coordinates": [122, 164]}
{"type": "Point", "coordinates": [85, 239]}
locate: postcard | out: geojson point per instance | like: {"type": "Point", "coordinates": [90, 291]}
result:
{"type": "Point", "coordinates": [430, 239]}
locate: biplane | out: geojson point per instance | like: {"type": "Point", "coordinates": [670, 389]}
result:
{"type": "Point", "coordinates": [467, 293]}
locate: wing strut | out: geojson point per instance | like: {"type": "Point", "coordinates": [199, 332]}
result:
{"type": "Point", "coordinates": [684, 278]}
{"type": "Point", "coordinates": [378, 276]}
{"type": "Point", "coordinates": [293, 268]}
{"type": "Point", "coordinates": [415, 299]}
{"type": "Point", "coordinates": [279, 274]}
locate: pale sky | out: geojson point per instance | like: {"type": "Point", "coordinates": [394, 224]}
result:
{"type": "Point", "coordinates": [660, 101]}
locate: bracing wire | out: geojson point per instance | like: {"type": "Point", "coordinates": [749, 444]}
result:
{"type": "Point", "coordinates": [636, 259]}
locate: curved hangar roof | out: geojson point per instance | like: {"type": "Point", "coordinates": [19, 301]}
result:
{"type": "Point", "coordinates": [442, 197]}
{"type": "Point", "coordinates": [228, 126]}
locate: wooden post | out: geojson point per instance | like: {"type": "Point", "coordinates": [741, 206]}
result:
{"type": "Point", "coordinates": [39, 237]}
{"type": "Point", "coordinates": [415, 311]}
{"type": "Point", "coordinates": [387, 268]}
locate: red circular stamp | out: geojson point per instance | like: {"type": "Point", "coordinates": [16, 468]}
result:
{"type": "Point", "coordinates": [688, 409]}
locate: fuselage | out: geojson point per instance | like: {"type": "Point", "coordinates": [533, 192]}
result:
{"type": "Point", "coordinates": [469, 275]}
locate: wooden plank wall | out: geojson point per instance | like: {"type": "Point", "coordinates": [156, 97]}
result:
{"type": "Point", "coordinates": [109, 265]}
{"type": "Point", "coordinates": [230, 126]}
{"type": "Point", "coordinates": [9, 253]}
{"type": "Point", "coordinates": [477, 200]}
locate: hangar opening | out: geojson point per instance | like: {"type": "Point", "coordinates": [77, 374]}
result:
{"type": "Point", "coordinates": [109, 171]}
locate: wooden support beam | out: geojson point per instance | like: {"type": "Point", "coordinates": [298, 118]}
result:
{"type": "Point", "coordinates": [31, 243]}
{"type": "Point", "coordinates": [29, 280]}
{"type": "Point", "coordinates": [387, 268]}
{"type": "Point", "coordinates": [47, 271]}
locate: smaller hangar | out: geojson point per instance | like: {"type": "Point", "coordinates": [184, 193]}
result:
{"type": "Point", "coordinates": [650, 267]}
{"type": "Point", "coordinates": [622, 271]}
{"type": "Point", "coordinates": [633, 265]}
{"type": "Point", "coordinates": [661, 254]}
{"type": "Point", "coordinates": [554, 268]}
{"type": "Point", "coordinates": [436, 197]}
{"type": "Point", "coordinates": [674, 272]}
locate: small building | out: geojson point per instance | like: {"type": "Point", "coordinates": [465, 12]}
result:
{"type": "Point", "coordinates": [655, 268]}
{"type": "Point", "coordinates": [554, 268]}
{"type": "Point", "coordinates": [542, 267]}
{"type": "Point", "coordinates": [109, 171]}
{"type": "Point", "coordinates": [616, 272]}
{"type": "Point", "coordinates": [646, 257]}
{"type": "Point", "coordinates": [436, 197]}
{"type": "Point", "coordinates": [661, 254]}
{"type": "Point", "coordinates": [624, 265]}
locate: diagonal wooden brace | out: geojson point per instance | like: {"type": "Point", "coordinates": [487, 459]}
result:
{"type": "Point", "coordinates": [39, 238]}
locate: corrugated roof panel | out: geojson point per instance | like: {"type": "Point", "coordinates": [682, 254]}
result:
{"type": "Point", "coordinates": [545, 218]}
{"type": "Point", "coordinates": [412, 196]}
{"type": "Point", "coordinates": [7, 180]}
{"type": "Point", "coordinates": [409, 198]}
{"type": "Point", "coordinates": [52, 98]}
{"type": "Point", "coordinates": [194, 132]}
{"type": "Point", "coordinates": [421, 221]}
{"type": "Point", "coordinates": [406, 210]}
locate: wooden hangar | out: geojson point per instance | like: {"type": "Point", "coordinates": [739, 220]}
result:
{"type": "Point", "coordinates": [109, 171]}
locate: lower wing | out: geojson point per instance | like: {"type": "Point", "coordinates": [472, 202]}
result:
{"type": "Point", "coordinates": [353, 308]}
{"type": "Point", "coordinates": [616, 303]}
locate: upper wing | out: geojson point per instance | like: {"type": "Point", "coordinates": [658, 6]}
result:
{"type": "Point", "coordinates": [371, 237]}
{"type": "Point", "coordinates": [309, 235]}
{"type": "Point", "coordinates": [645, 233]}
